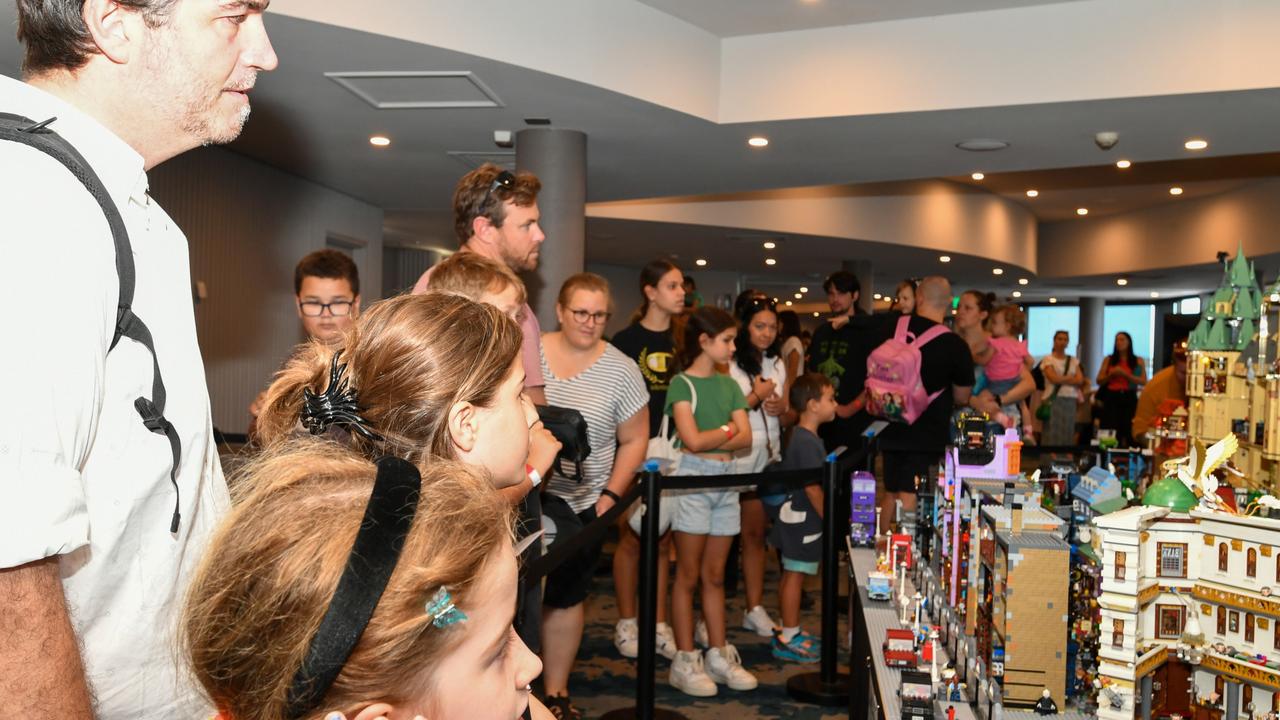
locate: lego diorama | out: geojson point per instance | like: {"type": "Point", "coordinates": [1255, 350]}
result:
{"type": "Point", "coordinates": [1124, 583]}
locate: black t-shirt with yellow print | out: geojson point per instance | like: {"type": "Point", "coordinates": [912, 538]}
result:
{"type": "Point", "coordinates": [654, 352]}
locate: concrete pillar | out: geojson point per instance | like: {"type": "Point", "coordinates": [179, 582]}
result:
{"type": "Point", "coordinates": [861, 269]}
{"type": "Point", "coordinates": [1145, 698]}
{"type": "Point", "coordinates": [1092, 344]}
{"type": "Point", "coordinates": [559, 159]}
{"type": "Point", "coordinates": [1231, 705]}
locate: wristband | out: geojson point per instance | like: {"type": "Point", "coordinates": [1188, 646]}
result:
{"type": "Point", "coordinates": [534, 476]}
{"type": "Point", "coordinates": [611, 495]}
{"type": "Point", "coordinates": [728, 430]}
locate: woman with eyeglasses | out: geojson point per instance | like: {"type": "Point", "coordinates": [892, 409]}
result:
{"type": "Point", "coordinates": [587, 374]}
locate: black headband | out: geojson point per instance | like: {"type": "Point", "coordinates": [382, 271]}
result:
{"type": "Point", "coordinates": [386, 523]}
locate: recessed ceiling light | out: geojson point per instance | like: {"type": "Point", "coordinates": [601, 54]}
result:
{"type": "Point", "coordinates": [817, 314]}
{"type": "Point", "coordinates": [1017, 293]}
{"type": "Point", "coordinates": [1155, 294]}
{"type": "Point", "coordinates": [700, 262]}
{"type": "Point", "coordinates": [977, 176]}
{"type": "Point", "coordinates": [944, 258]}
{"type": "Point", "coordinates": [1195, 144]}
{"type": "Point", "coordinates": [1023, 281]}
{"type": "Point", "coordinates": [804, 289]}
{"type": "Point", "coordinates": [800, 295]}
{"type": "Point", "coordinates": [997, 271]}
{"type": "Point", "coordinates": [788, 303]}
{"type": "Point", "coordinates": [1122, 282]}
{"type": "Point", "coordinates": [379, 141]}
{"type": "Point", "coordinates": [877, 296]}
{"type": "Point", "coordinates": [770, 245]}
{"type": "Point", "coordinates": [1175, 190]}
{"type": "Point", "coordinates": [1082, 211]}
{"type": "Point", "coordinates": [1053, 301]}
{"type": "Point", "coordinates": [770, 261]}
{"type": "Point", "coordinates": [982, 145]}
{"type": "Point", "coordinates": [775, 300]}
{"type": "Point", "coordinates": [758, 142]}
{"type": "Point", "coordinates": [1033, 193]}
{"type": "Point", "coordinates": [1123, 164]}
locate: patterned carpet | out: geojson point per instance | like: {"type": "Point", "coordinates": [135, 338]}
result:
{"type": "Point", "coordinates": [604, 681]}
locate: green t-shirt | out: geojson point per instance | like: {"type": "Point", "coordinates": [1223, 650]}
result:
{"type": "Point", "coordinates": [718, 396]}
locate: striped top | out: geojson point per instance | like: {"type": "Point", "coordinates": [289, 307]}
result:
{"type": "Point", "coordinates": [607, 394]}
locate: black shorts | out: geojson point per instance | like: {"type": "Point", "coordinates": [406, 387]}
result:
{"type": "Point", "coordinates": [902, 468]}
{"type": "Point", "coordinates": [570, 583]}
{"type": "Point", "coordinates": [796, 532]}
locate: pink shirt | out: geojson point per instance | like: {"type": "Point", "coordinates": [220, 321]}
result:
{"type": "Point", "coordinates": [529, 329]}
{"type": "Point", "coordinates": [1006, 362]}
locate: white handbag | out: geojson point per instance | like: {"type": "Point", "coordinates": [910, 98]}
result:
{"type": "Point", "coordinates": [663, 450]}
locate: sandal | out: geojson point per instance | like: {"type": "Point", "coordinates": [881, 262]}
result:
{"type": "Point", "coordinates": [561, 707]}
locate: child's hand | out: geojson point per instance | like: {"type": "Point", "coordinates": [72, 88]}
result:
{"type": "Point", "coordinates": [774, 406]}
{"type": "Point", "coordinates": [543, 448]}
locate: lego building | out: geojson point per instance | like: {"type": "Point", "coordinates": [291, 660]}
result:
{"type": "Point", "coordinates": [1189, 613]}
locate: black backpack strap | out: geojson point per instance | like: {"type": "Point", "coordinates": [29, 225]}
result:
{"type": "Point", "coordinates": [19, 129]}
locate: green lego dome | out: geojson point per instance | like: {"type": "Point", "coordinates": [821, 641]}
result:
{"type": "Point", "coordinates": [1170, 493]}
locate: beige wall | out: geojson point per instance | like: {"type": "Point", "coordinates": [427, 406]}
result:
{"type": "Point", "coordinates": [247, 225]}
{"type": "Point", "coordinates": [1168, 236]}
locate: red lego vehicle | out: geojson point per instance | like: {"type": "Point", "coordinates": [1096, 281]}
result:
{"type": "Point", "coordinates": [900, 648]}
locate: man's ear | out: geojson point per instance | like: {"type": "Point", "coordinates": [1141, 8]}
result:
{"type": "Point", "coordinates": [464, 426]}
{"type": "Point", "coordinates": [376, 711]}
{"type": "Point", "coordinates": [115, 30]}
{"type": "Point", "coordinates": [480, 226]}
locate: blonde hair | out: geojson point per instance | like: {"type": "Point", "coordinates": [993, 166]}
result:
{"type": "Point", "coordinates": [409, 359]}
{"type": "Point", "coordinates": [265, 583]}
{"type": "Point", "coordinates": [1014, 318]}
{"type": "Point", "coordinates": [583, 281]}
{"type": "Point", "coordinates": [472, 275]}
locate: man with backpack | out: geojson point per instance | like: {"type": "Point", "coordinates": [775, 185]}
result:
{"type": "Point", "coordinates": [110, 483]}
{"type": "Point", "coordinates": [917, 373]}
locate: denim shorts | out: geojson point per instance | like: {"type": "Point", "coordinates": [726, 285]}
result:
{"type": "Point", "coordinates": [706, 512]}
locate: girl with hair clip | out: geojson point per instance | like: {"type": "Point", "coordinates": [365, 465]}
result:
{"type": "Point", "coordinates": [710, 414]}
{"type": "Point", "coordinates": [760, 374]}
{"type": "Point", "coordinates": [650, 341]}
{"type": "Point", "coordinates": [438, 374]}
{"type": "Point", "coordinates": [1000, 401]}
{"type": "Point", "coordinates": [342, 587]}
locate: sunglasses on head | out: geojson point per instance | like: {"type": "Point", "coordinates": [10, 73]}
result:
{"type": "Point", "coordinates": [505, 179]}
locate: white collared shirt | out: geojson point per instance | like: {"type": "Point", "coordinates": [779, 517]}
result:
{"type": "Point", "coordinates": [80, 476]}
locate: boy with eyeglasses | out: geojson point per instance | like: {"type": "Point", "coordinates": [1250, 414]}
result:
{"type": "Point", "coordinates": [326, 284]}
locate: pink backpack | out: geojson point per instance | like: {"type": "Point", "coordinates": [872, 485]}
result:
{"type": "Point", "coordinates": [895, 390]}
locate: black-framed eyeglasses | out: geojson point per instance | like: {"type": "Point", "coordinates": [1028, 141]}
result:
{"type": "Point", "coordinates": [337, 308]}
{"type": "Point", "coordinates": [506, 179]}
{"type": "Point", "coordinates": [582, 316]}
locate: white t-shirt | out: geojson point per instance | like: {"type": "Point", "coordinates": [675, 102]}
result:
{"type": "Point", "coordinates": [1060, 367]}
{"type": "Point", "coordinates": [792, 344]}
{"type": "Point", "coordinates": [80, 476]}
{"type": "Point", "coordinates": [761, 437]}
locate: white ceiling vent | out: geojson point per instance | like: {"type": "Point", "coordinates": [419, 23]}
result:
{"type": "Point", "coordinates": [475, 158]}
{"type": "Point", "coordinates": [418, 89]}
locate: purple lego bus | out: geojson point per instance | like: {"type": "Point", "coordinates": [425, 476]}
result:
{"type": "Point", "coordinates": [862, 509]}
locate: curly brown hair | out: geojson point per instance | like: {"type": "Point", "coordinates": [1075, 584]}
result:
{"type": "Point", "coordinates": [478, 195]}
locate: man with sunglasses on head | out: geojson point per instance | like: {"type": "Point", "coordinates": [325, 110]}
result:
{"type": "Point", "coordinates": [495, 214]}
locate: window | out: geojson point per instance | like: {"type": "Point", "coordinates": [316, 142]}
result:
{"type": "Point", "coordinates": [1218, 686]}
{"type": "Point", "coordinates": [1120, 560]}
{"type": "Point", "coordinates": [1169, 621]}
{"type": "Point", "coordinates": [1188, 306]}
{"type": "Point", "coordinates": [1248, 627]}
{"type": "Point", "coordinates": [1172, 559]}
{"type": "Point", "coordinates": [1222, 557]}
{"type": "Point", "coordinates": [1246, 696]}
{"type": "Point", "coordinates": [1137, 320]}
{"type": "Point", "coordinates": [1117, 633]}
{"type": "Point", "coordinates": [1233, 621]}
{"type": "Point", "coordinates": [1251, 563]}
{"type": "Point", "coordinates": [1276, 640]}
{"type": "Point", "coordinates": [1045, 320]}
{"type": "Point", "coordinates": [1222, 625]}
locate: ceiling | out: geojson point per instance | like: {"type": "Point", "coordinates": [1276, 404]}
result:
{"type": "Point", "coordinates": [730, 18]}
{"type": "Point", "coordinates": [310, 126]}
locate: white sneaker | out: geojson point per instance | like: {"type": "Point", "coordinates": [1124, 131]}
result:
{"type": "Point", "coordinates": [626, 638]}
{"type": "Point", "coordinates": [725, 667]}
{"type": "Point", "coordinates": [689, 677]}
{"type": "Point", "coordinates": [758, 622]}
{"type": "Point", "coordinates": [665, 641]}
{"type": "Point", "coordinates": [700, 634]}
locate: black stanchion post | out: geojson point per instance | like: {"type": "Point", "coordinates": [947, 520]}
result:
{"type": "Point", "coordinates": [646, 665]}
{"type": "Point", "coordinates": [828, 687]}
